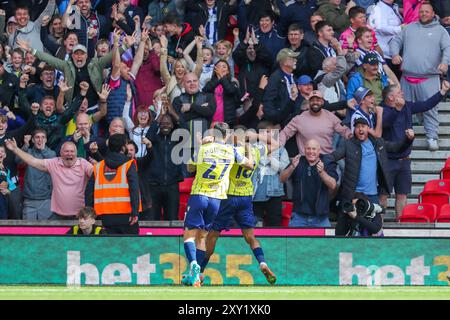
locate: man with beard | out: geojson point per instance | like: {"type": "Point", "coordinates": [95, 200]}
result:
{"type": "Point", "coordinates": [316, 123]}
{"type": "Point", "coordinates": [79, 68]}
{"type": "Point", "coordinates": [69, 178]}
{"type": "Point", "coordinates": [366, 166]}
{"type": "Point", "coordinates": [87, 23]}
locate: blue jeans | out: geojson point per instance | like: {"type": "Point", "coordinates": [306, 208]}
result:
{"type": "Point", "coordinates": [374, 199]}
{"type": "Point", "coordinates": [298, 220]}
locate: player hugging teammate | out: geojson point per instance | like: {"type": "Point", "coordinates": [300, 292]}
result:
{"type": "Point", "coordinates": [222, 190]}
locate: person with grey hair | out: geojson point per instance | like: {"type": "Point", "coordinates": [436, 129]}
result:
{"type": "Point", "coordinates": [426, 55]}
{"type": "Point", "coordinates": [329, 79]}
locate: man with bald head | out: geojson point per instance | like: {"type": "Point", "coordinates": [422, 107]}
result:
{"type": "Point", "coordinates": [69, 175]}
{"type": "Point", "coordinates": [314, 182]}
{"type": "Point", "coordinates": [194, 108]}
{"type": "Point", "coordinates": [82, 136]}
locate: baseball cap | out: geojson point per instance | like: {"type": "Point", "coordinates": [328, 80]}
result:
{"type": "Point", "coordinates": [315, 93]}
{"type": "Point", "coordinates": [12, 19]}
{"type": "Point", "coordinates": [286, 53]}
{"type": "Point", "coordinates": [79, 47]}
{"type": "Point", "coordinates": [361, 93]}
{"type": "Point", "coordinates": [371, 58]}
{"type": "Point", "coordinates": [360, 120]}
{"type": "Point", "coordinates": [305, 79]}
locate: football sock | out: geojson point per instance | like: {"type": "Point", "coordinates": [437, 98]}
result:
{"type": "Point", "coordinates": [259, 254]}
{"type": "Point", "coordinates": [200, 256]}
{"type": "Point", "coordinates": [204, 264]}
{"type": "Point", "coordinates": [189, 249]}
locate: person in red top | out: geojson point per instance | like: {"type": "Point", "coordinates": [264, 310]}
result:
{"type": "Point", "coordinates": [148, 78]}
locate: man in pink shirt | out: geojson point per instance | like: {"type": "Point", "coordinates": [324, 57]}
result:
{"type": "Point", "coordinates": [316, 123]}
{"type": "Point", "coordinates": [69, 178]}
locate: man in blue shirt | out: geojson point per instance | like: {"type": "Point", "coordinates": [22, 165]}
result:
{"type": "Point", "coordinates": [366, 166]}
{"type": "Point", "coordinates": [397, 117]}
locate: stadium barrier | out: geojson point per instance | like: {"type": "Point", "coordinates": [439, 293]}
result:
{"type": "Point", "coordinates": [160, 260]}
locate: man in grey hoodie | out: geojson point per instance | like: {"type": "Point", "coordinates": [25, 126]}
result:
{"type": "Point", "coordinates": [426, 55]}
{"type": "Point", "coordinates": [37, 189]}
{"type": "Point", "coordinates": [28, 30]}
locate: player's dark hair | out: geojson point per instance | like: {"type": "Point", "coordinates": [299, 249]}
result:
{"type": "Point", "coordinates": [116, 142]}
{"type": "Point", "coordinates": [353, 12]}
{"type": "Point", "coordinates": [264, 125]}
{"type": "Point", "coordinates": [222, 127]}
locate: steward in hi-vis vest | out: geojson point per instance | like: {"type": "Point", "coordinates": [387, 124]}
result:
{"type": "Point", "coordinates": [113, 190]}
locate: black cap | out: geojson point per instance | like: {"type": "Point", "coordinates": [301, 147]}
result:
{"type": "Point", "coordinates": [371, 58]}
{"type": "Point", "coordinates": [360, 120]}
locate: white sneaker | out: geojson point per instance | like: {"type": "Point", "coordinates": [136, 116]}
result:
{"type": "Point", "coordinates": [433, 144]}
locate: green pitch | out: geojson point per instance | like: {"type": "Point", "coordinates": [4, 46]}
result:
{"type": "Point", "coordinates": [222, 293]}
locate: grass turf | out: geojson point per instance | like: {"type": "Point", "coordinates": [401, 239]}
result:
{"type": "Point", "coordinates": [222, 293]}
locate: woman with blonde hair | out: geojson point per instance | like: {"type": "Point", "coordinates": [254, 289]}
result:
{"type": "Point", "coordinates": [173, 81]}
{"type": "Point", "coordinates": [223, 50]}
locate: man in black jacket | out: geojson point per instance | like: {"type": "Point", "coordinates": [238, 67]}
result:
{"type": "Point", "coordinates": [194, 108]}
{"type": "Point", "coordinates": [162, 174]}
{"type": "Point", "coordinates": [213, 16]}
{"type": "Point", "coordinates": [281, 91]}
{"type": "Point", "coordinates": [8, 87]}
{"type": "Point", "coordinates": [253, 61]}
{"type": "Point", "coordinates": [106, 187]}
{"type": "Point", "coordinates": [180, 35]}
{"type": "Point", "coordinates": [366, 164]}
{"type": "Point", "coordinates": [324, 47]}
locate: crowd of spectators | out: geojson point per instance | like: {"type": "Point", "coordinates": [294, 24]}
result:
{"type": "Point", "coordinates": [338, 79]}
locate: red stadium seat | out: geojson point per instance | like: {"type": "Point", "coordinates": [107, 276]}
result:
{"type": "Point", "coordinates": [444, 214]}
{"type": "Point", "coordinates": [447, 163]}
{"type": "Point", "coordinates": [184, 197]}
{"type": "Point", "coordinates": [286, 213]}
{"type": "Point", "coordinates": [436, 192]}
{"type": "Point", "coordinates": [445, 173]}
{"type": "Point", "coordinates": [185, 190]}
{"type": "Point", "coordinates": [419, 212]}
